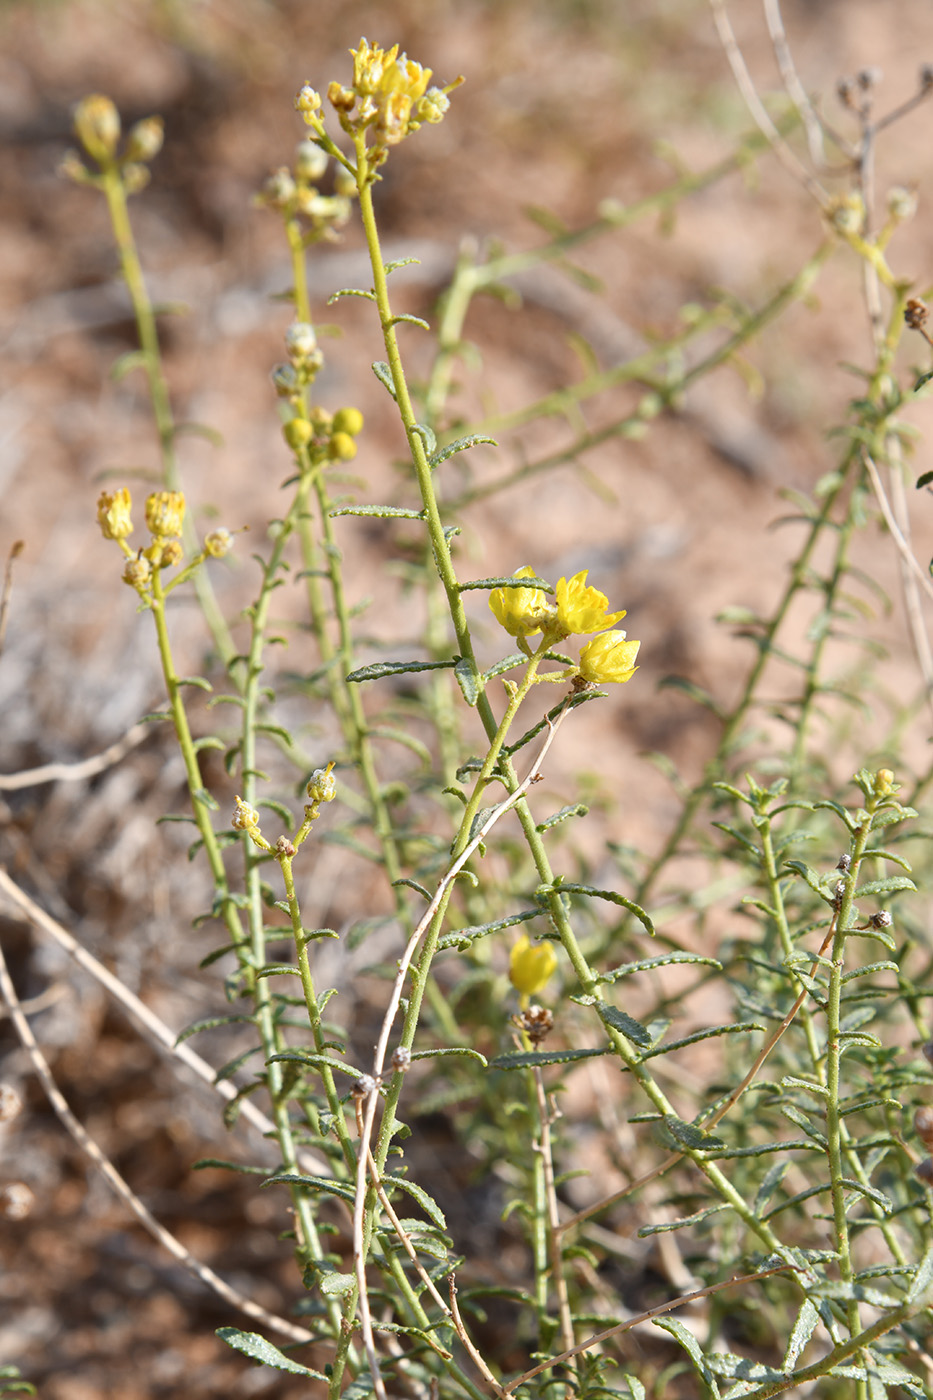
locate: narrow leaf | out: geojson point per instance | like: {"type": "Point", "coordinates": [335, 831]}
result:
{"type": "Point", "coordinates": [254, 1346]}
{"type": "Point", "coordinates": [398, 668]}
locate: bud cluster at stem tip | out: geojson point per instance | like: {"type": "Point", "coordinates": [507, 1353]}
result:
{"type": "Point", "coordinates": [388, 98]}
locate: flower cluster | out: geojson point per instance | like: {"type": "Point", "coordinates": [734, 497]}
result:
{"type": "Point", "coordinates": [165, 514]}
{"type": "Point", "coordinates": [389, 98]}
{"type": "Point", "coordinates": [579, 608]}
{"type": "Point", "coordinates": [296, 193]}
{"type": "Point", "coordinates": [97, 126]}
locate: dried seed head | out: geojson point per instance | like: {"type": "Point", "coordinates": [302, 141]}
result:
{"type": "Point", "coordinates": [401, 1059]}
{"type": "Point", "coordinates": [537, 1022]}
{"type": "Point", "coordinates": [902, 203]}
{"type": "Point", "coordinates": [924, 1171]}
{"type": "Point", "coordinates": [844, 864]}
{"type": "Point", "coordinates": [16, 1200]}
{"type": "Point", "coordinates": [916, 313]}
{"type": "Point", "coordinates": [867, 78]}
{"type": "Point", "coordinates": [218, 543]}
{"type": "Point", "coordinates": [883, 919]}
{"type": "Point", "coordinates": [364, 1086]}
{"type": "Point", "coordinates": [925, 77]}
{"type": "Point", "coordinates": [284, 847]}
{"type": "Point", "coordinates": [927, 1051]}
{"type": "Point", "coordinates": [10, 1103]}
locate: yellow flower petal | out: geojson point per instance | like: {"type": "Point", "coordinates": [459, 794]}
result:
{"type": "Point", "coordinates": [531, 965]}
{"type": "Point", "coordinates": [609, 658]}
{"type": "Point", "coordinates": [521, 611]}
{"type": "Point", "coordinates": [581, 608]}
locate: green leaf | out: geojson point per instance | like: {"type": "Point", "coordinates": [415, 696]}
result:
{"type": "Point", "coordinates": [890, 885]}
{"type": "Point", "coordinates": [336, 1284]}
{"type": "Point", "coordinates": [565, 887]}
{"type": "Point", "coordinates": [695, 692]}
{"type": "Point", "coordinates": [576, 809]}
{"type": "Point", "coordinates": [918, 1294]}
{"type": "Point", "coordinates": [619, 1021]}
{"type": "Point", "coordinates": [451, 1050]}
{"type": "Point", "coordinates": [380, 369]}
{"type": "Point", "coordinates": [695, 1219]}
{"type": "Point", "coordinates": [676, 1329]}
{"type": "Point", "coordinates": [319, 1061]}
{"type": "Point", "coordinates": [460, 445]}
{"type": "Point", "coordinates": [197, 681]}
{"type": "Point", "coordinates": [396, 263]}
{"type": "Point", "coordinates": [352, 292]}
{"type": "Point", "coordinates": [230, 1068]}
{"type": "Point", "coordinates": [427, 1203]}
{"type": "Point", "coordinates": [378, 512]}
{"type": "Point", "coordinates": [411, 320]}
{"type": "Point", "coordinates": [741, 1028]}
{"type": "Point", "coordinates": [462, 937]}
{"type": "Point", "coordinates": [665, 960]}
{"type": "Point", "coordinates": [803, 1330]}
{"type": "Point", "coordinates": [506, 581]}
{"type": "Point", "coordinates": [137, 359]}
{"type": "Point", "coordinates": [689, 1135]}
{"type": "Point", "coordinates": [508, 663]}
{"type": "Point", "coordinates": [258, 1349]}
{"type": "Point", "coordinates": [412, 885]}
{"type": "Point", "coordinates": [313, 1183]}
{"type": "Point", "coordinates": [525, 1059]}
{"type": "Point", "coordinates": [469, 680]}
{"type": "Point", "coordinates": [209, 1023]}
{"type": "Point", "coordinates": [379, 669]}
{"type": "Point", "coordinates": [224, 1165]}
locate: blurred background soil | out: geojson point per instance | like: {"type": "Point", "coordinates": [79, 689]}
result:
{"type": "Point", "coordinates": [565, 104]}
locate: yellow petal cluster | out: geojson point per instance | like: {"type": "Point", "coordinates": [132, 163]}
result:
{"type": "Point", "coordinates": [521, 611]}
{"type": "Point", "coordinates": [610, 657]}
{"type": "Point", "coordinates": [531, 965]}
{"type": "Point", "coordinates": [581, 608]}
{"type": "Point", "coordinates": [165, 511]}
{"type": "Point", "coordinates": [113, 514]}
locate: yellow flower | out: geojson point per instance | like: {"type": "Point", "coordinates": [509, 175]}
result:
{"type": "Point", "coordinates": [113, 514]}
{"type": "Point", "coordinates": [369, 66]}
{"type": "Point", "coordinates": [165, 510]}
{"type": "Point", "coordinates": [582, 609]}
{"type": "Point", "coordinates": [531, 965]}
{"type": "Point", "coordinates": [521, 611]}
{"type": "Point", "coordinates": [608, 657]}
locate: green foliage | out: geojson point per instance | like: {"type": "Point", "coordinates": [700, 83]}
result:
{"type": "Point", "coordinates": [776, 1131]}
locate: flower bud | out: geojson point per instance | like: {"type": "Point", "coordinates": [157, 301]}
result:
{"type": "Point", "coordinates": [135, 177]}
{"type": "Point", "coordinates": [433, 106]}
{"type": "Point", "coordinates": [902, 203]}
{"type": "Point", "coordinates": [348, 420]}
{"type": "Point", "coordinates": [113, 514]}
{"type": "Point", "coordinates": [244, 816]}
{"type": "Point", "coordinates": [145, 139]}
{"type": "Point", "coordinates": [297, 433]}
{"type": "Point", "coordinates": [342, 99]}
{"type": "Point", "coordinates": [279, 188]}
{"type": "Point", "coordinates": [138, 573]}
{"type": "Point", "coordinates": [323, 785]}
{"type": "Point", "coordinates": [97, 127]}
{"type": "Point", "coordinates": [165, 511]}
{"type": "Point", "coordinates": [310, 160]}
{"type": "Point", "coordinates": [846, 213]}
{"type": "Point", "coordinates": [307, 100]}
{"type": "Point", "coordinates": [285, 381]}
{"type": "Point", "coordinates": [218, 543]}
{"type": "Point", "coordinates": [342, 448]}
{"type": "Point", "coordinates": [300, 341]}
